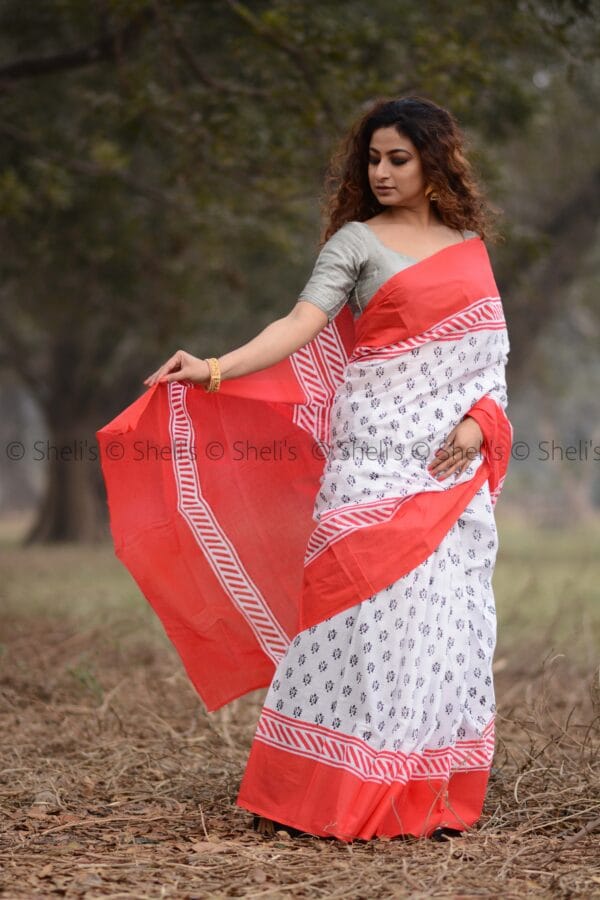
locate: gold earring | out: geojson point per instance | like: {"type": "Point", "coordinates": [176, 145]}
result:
{"type": "Point", "coordinates": [430, 193]}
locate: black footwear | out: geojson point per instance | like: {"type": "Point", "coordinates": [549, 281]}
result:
{"type": "Point", "coordinates": [443, 834]}
{"type": "Point", "coordinates": [269, 828]}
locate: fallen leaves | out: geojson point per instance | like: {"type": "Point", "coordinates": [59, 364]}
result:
{"type": "Point", "coordinates": [134, 796]}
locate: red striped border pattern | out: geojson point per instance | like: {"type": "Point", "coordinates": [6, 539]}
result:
{"type": "Point", "coordinates": [335, 524]}
{"type": "Point", "coordinates": [319, 367]}
{"type": "Point", "coordinates": [482, 315]}
{"type": "Point", "coordinates": [217, 548]}
{"type": "Point", "coordinates": [347, 752]}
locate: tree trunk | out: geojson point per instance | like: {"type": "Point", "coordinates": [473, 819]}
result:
{"type": "Point", "coordinates": [74, 507]}
{"type": "Point", "coordinates": [536, 290]}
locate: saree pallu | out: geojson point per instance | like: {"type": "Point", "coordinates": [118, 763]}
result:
{"type": "Point", "coordinates": [288, 534]}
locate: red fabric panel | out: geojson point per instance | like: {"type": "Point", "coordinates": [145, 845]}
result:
{"type": "Point", "coordinates": [328, 801]}
{"type": "Point", "coordinates": [254, 516]}
{"type": "Point", "coordinates": [497, 438]}
{"type": "Point", "coordinates": [370, 559]}
{"type": "Point", "coordinates": [418, 297]}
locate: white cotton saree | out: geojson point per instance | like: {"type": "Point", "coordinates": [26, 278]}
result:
{"type": "Point", "coordinates": [289, 535]}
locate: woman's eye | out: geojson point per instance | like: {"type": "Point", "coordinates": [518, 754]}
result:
{"type": "Point", "coordinates": [395, 162]}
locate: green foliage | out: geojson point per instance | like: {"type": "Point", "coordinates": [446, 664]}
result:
{"type": "Point", "coordinates": [161, 162]}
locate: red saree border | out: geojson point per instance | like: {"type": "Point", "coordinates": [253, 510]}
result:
{"type": "Point", "coordinates": [448, 282]}
{"type": "Point", "coordinates": [213, 540]}
{"type": "Point", "coordinates": [341, 576]}
{"type": "Point", "coordinates": [486, 312]}
{"type": "Point", "coordinates": [362, 793]}
{"type": "Point", "coordinates": [355, 755]}
{"type": "Point", "coordinates": [433, 259]}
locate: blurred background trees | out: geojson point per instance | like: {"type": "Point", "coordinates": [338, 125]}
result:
{"type": "Point", "coordinates": [161, 165]}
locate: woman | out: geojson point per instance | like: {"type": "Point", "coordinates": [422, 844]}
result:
{"type": "Point", "coordinates": [361, 573]}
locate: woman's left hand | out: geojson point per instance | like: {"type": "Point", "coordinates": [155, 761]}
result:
{"type": "Point", "coordinates": [458, 450]}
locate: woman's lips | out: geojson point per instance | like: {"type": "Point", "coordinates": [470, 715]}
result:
{"type": "Point", "coordinates": [383, 190]}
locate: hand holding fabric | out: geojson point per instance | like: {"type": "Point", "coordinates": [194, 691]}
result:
{"type": "Point", "coordinates": [182, 366]}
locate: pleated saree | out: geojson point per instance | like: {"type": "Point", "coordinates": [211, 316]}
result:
{"type": "Point", "coordinates": [289, 535]}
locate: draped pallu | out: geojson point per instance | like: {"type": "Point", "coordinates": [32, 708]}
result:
{"type": "Point", "coordinates": [212, 496]}
{"type": "Point", "coordinates": [214, 504]}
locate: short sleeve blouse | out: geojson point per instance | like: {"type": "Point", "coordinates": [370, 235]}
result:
{"type": "Point", "coordinates": [336, 270]}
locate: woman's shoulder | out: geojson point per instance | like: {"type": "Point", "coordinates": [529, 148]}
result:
{"type": "Point", "coordinates": [348, 240]}
{"type": "Point", "coordinates": [350, 232]}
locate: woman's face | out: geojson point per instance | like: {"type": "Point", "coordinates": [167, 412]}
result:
{"type": "Point", "coordinates": [395, 171]}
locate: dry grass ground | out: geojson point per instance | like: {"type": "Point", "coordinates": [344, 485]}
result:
{"type": "Point", "coordinates": [116, 783]}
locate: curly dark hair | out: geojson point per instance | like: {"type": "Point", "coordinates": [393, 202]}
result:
{"type": "Point", "coordinates": [434, 131]}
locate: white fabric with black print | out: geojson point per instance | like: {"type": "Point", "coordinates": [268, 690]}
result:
{"type": "Point", "coordinates": [410, 667]}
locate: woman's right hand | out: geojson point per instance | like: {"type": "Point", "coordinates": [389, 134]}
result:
{"type": "Point", "coordinates": [182, 366]}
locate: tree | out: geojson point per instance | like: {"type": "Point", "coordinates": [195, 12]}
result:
{"type": "Point", "coordinates": [159, 155]}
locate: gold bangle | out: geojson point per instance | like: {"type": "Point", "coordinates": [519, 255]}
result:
{"type": "Point", "coordinates": [215, 374]}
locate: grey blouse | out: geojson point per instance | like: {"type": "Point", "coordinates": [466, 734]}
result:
{"type": "Point", "coordinates": [351, 266]}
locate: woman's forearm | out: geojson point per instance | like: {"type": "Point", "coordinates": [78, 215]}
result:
{"type": "Point", "coordinates": [277, 341]}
